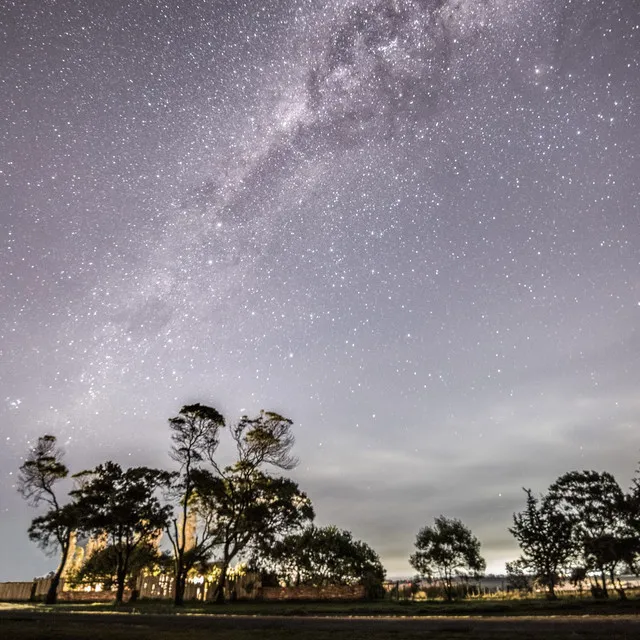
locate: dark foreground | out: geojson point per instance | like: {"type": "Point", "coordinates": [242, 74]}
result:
{"type": "Point", "coordinates": [23, 624]}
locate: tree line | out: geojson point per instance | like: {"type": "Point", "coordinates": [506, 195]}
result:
{"type": "Point", "coordinates": [585, 529]}
{"type": "Point", "coordinates": [212, 513]}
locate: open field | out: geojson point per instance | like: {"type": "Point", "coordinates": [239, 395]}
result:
{"type": "Point", "coordinates": [29, 624]}
{"type": "Point", "coordinates": [524, 620]}
{"type": "Point", "coordinates": [472, 607]}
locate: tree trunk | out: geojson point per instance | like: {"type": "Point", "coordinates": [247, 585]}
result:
{"type": "Point", "coordinates": [605, 592]}
{"type": "Point", "coordinates": [219, 593]}
{"type": "Point", "coordinates": [598, 590]}
{"type": "Point", "coordinates": [180, 585]}
{"type": "Point", "coordinates": [52, 593]}
{"type": "Point", "coordinates": [617, 585]}
{"type": "Point", "coordinates": [179, 582]}
{"type": "Point", "coordinates": [120, 587]}
{"type": "Point", "coordinates": [135, 584]}
{"type": "Point", "coordinates": [448, 589]}
{"type": "Point", "coordinates": [179, 549]}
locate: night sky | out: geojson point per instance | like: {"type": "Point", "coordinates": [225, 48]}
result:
{"type": "Point", "coordinates": [411, 226]}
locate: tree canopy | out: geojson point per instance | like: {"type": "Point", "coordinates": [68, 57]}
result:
{"type": "Point", "coordinates": [195, 436]}
{"type": "Point", "coordinates": [593, 505]}
{"type": "Point", "coordinates": [124, 507]}
{"type": "Point", "coordinates": [101, 566]}
{"type": "Point", "coordinates": [322, 556]}
{"type": "Point", "coordinates": [231, 507]}
{"type": "Point", "coordinates": [546, 538]}
{"type": "Point", "coordinates": [446, 551]}
{"type": "Point", "coordinates": [244, 511]}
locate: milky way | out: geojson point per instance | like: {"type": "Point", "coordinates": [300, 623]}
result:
{"type": "Point", "coordinates": [411, 226]}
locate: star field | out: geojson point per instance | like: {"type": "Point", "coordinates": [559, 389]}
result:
{"type": "Point", "coordinates": [411, 226]}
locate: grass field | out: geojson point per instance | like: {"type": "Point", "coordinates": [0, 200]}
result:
{"type": "Point", "coordinates": [136, 627]}
{"type": "Point", "coordinates": [475, 620]}
{"type": "Point", "coordinates": [471, 607]}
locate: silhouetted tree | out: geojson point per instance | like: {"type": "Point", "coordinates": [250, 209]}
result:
{"type": "Point", "coordinates": [37, 480]}
{"type": "Point", "coordinates": [578, 577]}
{"type": "Point", "coordinates": [322, 556]}
{"type": "Point", "coordinates": [632, 524]}
{"type": "Point", "coordinates": [594, 504]}
{"type": "Point", "coordinates": [445, 551]}
{"type": "Point", "coordinates": [266, 439]}
{"type": "Point", "coordinates": [246, 508]}
{"type": "Point", "coordinates": [195, 434]}
{"type": "Point", "coordinates": [250, 503]}
{"type": "Point", "coordinates": [545, 537]}
{"type": "Point", "coordinates": [519, 578]}
{"type": "Point", "coordinates": [123, 506]}
{"type": "Point", "coordinates": [102, 566]}
{"type": "Point", "coordinates": [233, 503]}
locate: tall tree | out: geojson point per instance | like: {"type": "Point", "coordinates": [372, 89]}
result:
{"type": "Point", "coordinates": [233, 503]}
{"type": "Point", "coordinates": [195, 435]}
{"type": "Point", "coordinates": [545, 537]}
{"type": "Point", "coordinates": [247, 510]}
{"type": "Point", "coordinates": [594, 504]}
{"type": "Point", "coordinates": [123, 506]}
{"type": "Point", "coordinates": [445, 551]}
{"type": "Point", "coordinates": [38, 476]}
{"type": "Point", "coordinates": [251, 503]}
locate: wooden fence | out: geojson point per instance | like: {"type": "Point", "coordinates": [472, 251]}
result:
{"type": "Point", "coordinates": [247, 587]}
{"type": "Point", "coordinates": [244, 587]}
{"type": "Point", "coordinates": [16, 591]}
